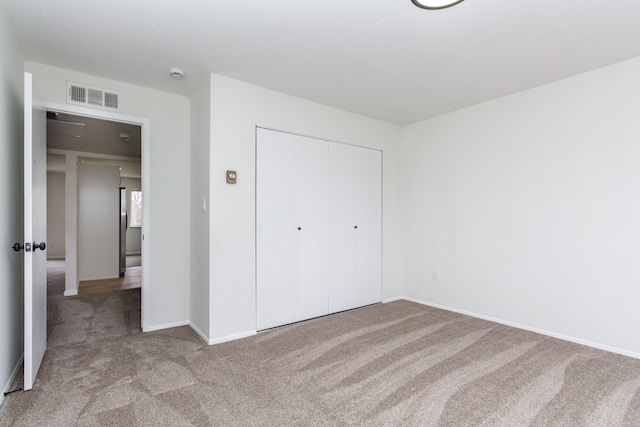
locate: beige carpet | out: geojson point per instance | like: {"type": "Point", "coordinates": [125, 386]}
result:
{"type": "Point", "coordinates": [55, 277]}
{"type": "Point", "coordinates": [384, 365]}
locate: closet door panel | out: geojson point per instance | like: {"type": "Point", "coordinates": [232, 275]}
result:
{"type": "Point", "coordinates": [311, 227]}
{"type": "Point", "coordinates": [292, 228]}
{"type": "Point", "coordinates": [318, 228]}
{"type": "Point", "coordinates": [275, 232]}
{"type": "Point", "coordinates": [343, 253]}
{"type": "Point", "coordinates": [369, 221]}
{"type": "Point", "coordinates": [355, 227]}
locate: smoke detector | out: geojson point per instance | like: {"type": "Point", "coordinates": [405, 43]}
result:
{"type": "Point", "coordinates": [176, 73]}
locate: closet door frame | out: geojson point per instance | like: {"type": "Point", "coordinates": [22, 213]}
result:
{"type": "Point", "coordinates": [318, 227]}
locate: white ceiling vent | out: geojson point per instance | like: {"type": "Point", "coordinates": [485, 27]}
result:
{"type": "Point", "coordinates": [78, 93]}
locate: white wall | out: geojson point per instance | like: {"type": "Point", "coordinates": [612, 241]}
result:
{"type": "Point", "coordinates": [236, 109]}
{"type": "Point", "coordinates": [529, 207]}
{"type": "Point", "coordinates": [134, 234]}
{"type": "Point", "coordinates": [11, 208]}
{"type": "Point", "coordinates": [55, 215]}
{"type": "Point", "coordinates": [71, 223]}
{"type": "Point", "coordinates": [166, 194]}
{"type": "Point", "coordinates": [199, 207]}
{"type": "Point", "coordinates": [98, 222]}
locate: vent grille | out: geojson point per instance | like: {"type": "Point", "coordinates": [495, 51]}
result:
{"type": "Point", "coordinates": [78, 93]}
{"type": "Point", "coordinates": [110, 100]}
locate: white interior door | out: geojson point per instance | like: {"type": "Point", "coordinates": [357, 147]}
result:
{"type": "Point", "coordinates": [275, 234]}
{"type": "Point", "coordinates": [369, 221]}
{"type": "Point", "coordinates": [35, 232]}
{"type": "Point", "coordinates": [356, 227]}
{"type": "Point", "coordinates": [312, 227]}
{"type": "Point", "coordinates": [318, 227]}
{"type": "Point", "coordinates": [292, 228]}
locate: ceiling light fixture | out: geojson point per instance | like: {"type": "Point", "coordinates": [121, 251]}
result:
{"type": "Point", "coordinates": [125, 137]}
{"type": "Point", "coordinates": [176, 73]}
{"type": "Point", "coordinates": [435, 4]}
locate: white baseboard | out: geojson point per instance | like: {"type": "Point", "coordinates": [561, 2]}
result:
{"type": "Point", "coordinates": [12, 377]}
{"type": "Point", "coordinates": [99, 278]}
{"type": "Point", "coordinates": [233, 337]}
{"type": "Point", "coordinates": [166, 326]}
{"type": "Point", "coordinates": [205, 338]}
{"type": "Point", "coordinates": [199, 332]}
{"type": "Point", "coordinates": [384, 301]}
{"type": "Point", "coordinates": [70, 292]}
{"type": "Point", "coordinates": [531, 329]}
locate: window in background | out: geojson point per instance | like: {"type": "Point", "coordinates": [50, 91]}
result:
{"type": "Point", "coordinates": [136, 209]}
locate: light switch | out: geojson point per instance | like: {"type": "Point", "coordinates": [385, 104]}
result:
{"type": "Point", "coordinates": [204, 205]}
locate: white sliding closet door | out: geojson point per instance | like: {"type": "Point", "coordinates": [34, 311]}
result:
{"type": "Point", "coordinates": [275, 213]}
{"type": "Point", "coordinates": [312, 228]}
{"type": "Point", "coordinates": [355, 180]}
{"type": "Point", "coordinates": [292, 228]}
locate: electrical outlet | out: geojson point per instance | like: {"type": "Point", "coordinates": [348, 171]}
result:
{"type": "Point", "coordinates": [435, 274]}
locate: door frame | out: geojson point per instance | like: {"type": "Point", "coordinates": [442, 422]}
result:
{"type": "Point", "coordinates": [145, 130]}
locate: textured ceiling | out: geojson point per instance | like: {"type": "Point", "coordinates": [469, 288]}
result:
{"type": "Point", "coordinates": [98, 136]}
{"type": "Point", "coordinates": [385, 59]}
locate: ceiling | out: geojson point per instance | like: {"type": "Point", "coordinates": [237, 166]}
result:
{"type": "Point", "coordinates": [385, 59]}
{"type": "Point", "coordinates": [99, 140]}
{"type": "Point", "coordinates": [91, 135]}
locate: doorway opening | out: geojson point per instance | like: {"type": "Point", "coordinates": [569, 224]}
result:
{"type": "Point", "coordinates": [79, 142]}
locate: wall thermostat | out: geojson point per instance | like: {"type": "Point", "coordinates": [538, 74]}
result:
{"type": "Point", "coordinates": [231, 177]}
